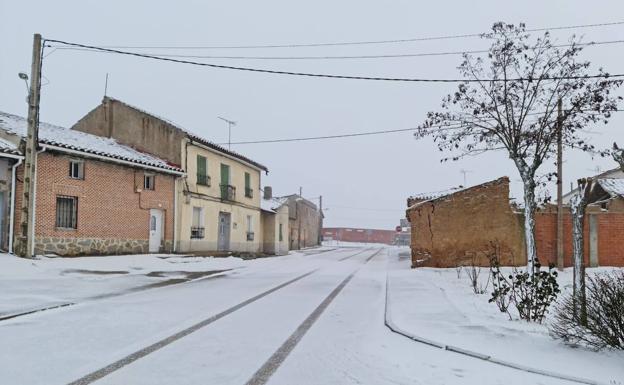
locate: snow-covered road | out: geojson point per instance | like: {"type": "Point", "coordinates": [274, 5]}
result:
{"type": "Point", "coordinates": [314, 319]}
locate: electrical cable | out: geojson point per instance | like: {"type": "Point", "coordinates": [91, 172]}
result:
{"type": "Point", "coordinates": [392, 41]}
{"type": "Point", "coordinates": [329, 76]}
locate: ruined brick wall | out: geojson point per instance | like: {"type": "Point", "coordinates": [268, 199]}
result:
{"type": "Point", "coordinates": [112, 217]}
{"type": "Point", "coordinates": [609, 233]}
{"type": "Point", "coordinates": [460, 227]}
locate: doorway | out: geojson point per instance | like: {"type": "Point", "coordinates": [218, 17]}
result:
{"type": "Point", "coordinates": [155, 230]}
{"type": "Point", "coordinates": [223, 242]}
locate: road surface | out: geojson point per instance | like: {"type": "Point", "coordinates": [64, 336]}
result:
{"type": "Point", "coordinates": [317, 320]}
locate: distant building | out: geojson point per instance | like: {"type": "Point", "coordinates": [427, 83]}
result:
{"type": "Point", "coordinates": [348, 234]}
{"type": "Point", "coordinates": [305, 222]}
{"type": "Point", "coordinates": [403, 234]}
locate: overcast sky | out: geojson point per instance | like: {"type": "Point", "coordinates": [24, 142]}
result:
{"type": "Point", "coordinates": [364, 181]}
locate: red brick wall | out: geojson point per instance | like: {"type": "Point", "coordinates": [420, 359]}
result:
{"type": "Point", "coordinates": [345, 234]}
{"type": "Point", "coordinates": [108, 206]}
{"type": "Point", "coordinates": [610, 238]}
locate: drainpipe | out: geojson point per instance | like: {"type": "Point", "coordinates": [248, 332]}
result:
{"type": "Point", "coordinates": [12, 214]}
{"type": "Point", "coordinates": [175, 213]}
{"type": "Point", "coordinates": [34, 213]}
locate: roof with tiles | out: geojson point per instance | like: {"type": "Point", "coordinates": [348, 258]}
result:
{"type": "Point", "coordinates": [79, 141]}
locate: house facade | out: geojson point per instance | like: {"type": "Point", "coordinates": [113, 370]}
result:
{"type": "Point", "coordinates": [275, 224]}
{"type": "Point", "coordinates": [305, 222]}
{"type": "Point", "coordinates": [92, 194]}
{"type": "Point", "coordinates": [217, 202]}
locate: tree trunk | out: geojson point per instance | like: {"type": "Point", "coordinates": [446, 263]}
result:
{"type": "Point", "coordinates": [577, 208]}
{"type": "Point", "coordinates": [529, 224]}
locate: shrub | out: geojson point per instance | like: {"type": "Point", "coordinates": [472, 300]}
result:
{"type": "Point", "coordinates": [605, 315]}
{"type": "Point", "coordinates": [474, 271]}
{"type": "Point", "coordinates": [531, 295]}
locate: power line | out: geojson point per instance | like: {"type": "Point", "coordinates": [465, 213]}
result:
{"type": "Point", "coordinates": [366, 42]}
{"type": "Point", "coordinates": [328, 76]}
{"type": "Point", "coordinates": [347, 57]}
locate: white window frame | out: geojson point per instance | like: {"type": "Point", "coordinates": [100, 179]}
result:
{"type": "Point", "coordinates": [76, 169]}
{"type": "Point", "coordinates": [146, 185]}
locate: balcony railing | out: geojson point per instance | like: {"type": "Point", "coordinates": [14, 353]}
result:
{"type": "Point", "coordinates": [203, 179]}
{"type": "Point", "coordinates": [248, 192]}
{"type": "Point", "coordinates": [228, 192]}
{"type": "Point", "coordinates": [197, 232]}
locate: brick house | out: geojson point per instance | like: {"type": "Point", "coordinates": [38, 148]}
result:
{"type": "Point", "coordinates": [603, 227]}
{"type": "Point", "coordinates": [92, 194]}
{"type": "Point", "coordinates": [218, 200]}
{"type": "Point", "coordinates": [457, 227]}
{"type": "Point", "coordinates": [305, 222]}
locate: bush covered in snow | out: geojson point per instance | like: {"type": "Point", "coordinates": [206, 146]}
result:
{"type": "Point", "coordinates": [605, 314]}
{"type": "Point", "coordinates": [531, 295]}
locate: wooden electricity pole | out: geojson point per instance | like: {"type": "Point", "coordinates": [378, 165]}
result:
{"type": "Point", "coordinates": [559, 186]}
{"type": "Point", "coordinates": [26, 246]}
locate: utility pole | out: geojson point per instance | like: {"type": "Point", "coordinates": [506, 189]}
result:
{"type": "Point", "coordinates": [26, 246]}
{"type": "Point", "coordinates": [559, 186]}
{"type": "Point", "coordinates": [464, 172]}
{"type": "Point", "coordinates": [230, 123]}
{"type": "Point", "coordinates": [320, 231]}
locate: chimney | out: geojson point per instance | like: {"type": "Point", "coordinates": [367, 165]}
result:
{"type": "Point", "coordinates": [268, 192]}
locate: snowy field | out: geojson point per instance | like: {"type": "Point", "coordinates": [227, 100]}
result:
{"type": "Point", "coordinates": [312, 317]}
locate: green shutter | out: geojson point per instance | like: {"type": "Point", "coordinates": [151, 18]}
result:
{"type": "Point", "coordinates": [225, 174]}
{"type": "Point", "coordinates": [201, 165]}
{"type": "Point", "coordinates": [247, 181]}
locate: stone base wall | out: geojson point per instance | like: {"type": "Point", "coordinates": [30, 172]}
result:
{"type": "Point", "coordinates": [94, 246]}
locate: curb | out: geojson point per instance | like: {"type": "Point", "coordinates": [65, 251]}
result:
{"type": "Point", "coordinates": [469, 353]}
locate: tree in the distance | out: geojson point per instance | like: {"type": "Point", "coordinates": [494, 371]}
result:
{"type": "Point", "coordinates": [508, 102]}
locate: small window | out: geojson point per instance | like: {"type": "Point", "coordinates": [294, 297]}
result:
{"type": "Point", "coordinates": [76, 169]}
{"type": "Point", "coordinates": [281, 234]}
{"type": "Point", "coordinates": [67, 212]}
{"type": "Point", "coordinates": [149, 181]}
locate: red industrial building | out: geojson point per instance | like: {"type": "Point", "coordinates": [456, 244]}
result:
{"type": "Point", "coordinates": [347, 234]}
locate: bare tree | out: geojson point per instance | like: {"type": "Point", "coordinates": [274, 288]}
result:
{"type": "Point", "coordinates": [578, 204]}
{"type": "Point", "coordinates": [508, 102]}
{"type": "Point", "coordinates": [618, 155]}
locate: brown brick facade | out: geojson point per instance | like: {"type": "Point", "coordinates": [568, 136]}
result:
{"type": "Point", "coordinates": [112, 217]}
{"type": "Point", "coordinates": [457, 228]}
{"type": "Point", "coordinates": [359, 235]}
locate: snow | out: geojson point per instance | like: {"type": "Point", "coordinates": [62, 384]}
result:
{"type": "Point", "coordinates": [8, 147]}
{"type": "Point", "coordinates": [613, 186]}
{"type": "Point", "coordinates": [435, 304]}
{"type": "Point", "coordinates": [347, 344]}
{"type": "Point", "coordinates": [272, 204]}
{"type": "Point", "coordinates": [81, 141]}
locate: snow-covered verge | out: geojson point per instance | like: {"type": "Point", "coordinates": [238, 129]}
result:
{"type": "Point", "coordinates": [27, 285]}
{"type": "Point", "coordinates": [437, 305]}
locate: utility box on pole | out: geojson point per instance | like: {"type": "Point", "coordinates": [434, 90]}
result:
{"type": "Point", "coordinates": [25, 235]}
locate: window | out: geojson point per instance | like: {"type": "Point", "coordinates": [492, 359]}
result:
{"type": "Point", "coordinates": [66, 212]}
{"type": "Point", "coordinates": [281, 234]}
{"type": "Point", "coordinates": [197, 225]}
{"type": "Point", "coordinates": [250, 233]}
{"type": "Point", "coordinates": [76, 169]}
{"type": "Point", "coordinates": [202, 171]}
{"type": "Point", "coordinates": [149, 181]}
{"type": "Point", "coordinates": [248, 190]}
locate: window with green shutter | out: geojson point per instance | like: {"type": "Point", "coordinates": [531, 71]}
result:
{"type": "Point", "coordinates": [248, 190]}
{"type": "Point", "coordinates": [202, 171]}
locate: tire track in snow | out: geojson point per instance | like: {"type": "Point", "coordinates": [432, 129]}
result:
{"type": "Point", "coordinates": [100, 373]}
{"type": "Point", "coordinates": [265, 372]}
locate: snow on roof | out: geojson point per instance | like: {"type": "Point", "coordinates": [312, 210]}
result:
{"type": "Point", "coordinates": [613, 186]}
{"type": "Point", "coordinates": [436, 194]}
{"type": "Point", "coordinates": [193, 136]}
{"type": "Point", "coordinates": [272, 204]}
{"type": "Point", "coordinates": [7, 147]}
{"type": "Point", "coordinates": [81, 141]}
